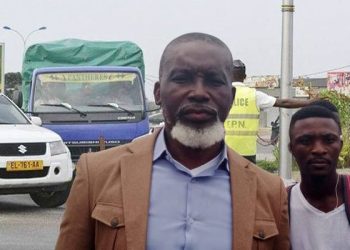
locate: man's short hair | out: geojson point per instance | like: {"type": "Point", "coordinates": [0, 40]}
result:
{"type": "Point", "coordinates": [190, 37]}
{"type": "Point", "coordinates": [238, 65]}
{"type": "Point", "coordinates": [326, 104]}
{"type": "Point", "coordinates": [313, 111]}
{"type": "Point", "coordinates": [238, 70]}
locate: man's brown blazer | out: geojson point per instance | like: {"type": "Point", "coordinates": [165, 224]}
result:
{"type": "Point", "coordinates": [108, 204]}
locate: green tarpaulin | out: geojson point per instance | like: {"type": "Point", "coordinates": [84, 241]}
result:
{"type": "Point", "coordinates": [75, 52]}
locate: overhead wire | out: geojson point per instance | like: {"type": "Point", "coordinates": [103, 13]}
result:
{"type": "Point", "coordinates": [325, 71]}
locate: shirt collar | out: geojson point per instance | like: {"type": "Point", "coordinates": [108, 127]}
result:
{"type": "Point", "coordinates": [161, 151]}
{"type": "Point", "coordinates": [238, 84]}
{"type": "Point", "coordinates": [160, 147]}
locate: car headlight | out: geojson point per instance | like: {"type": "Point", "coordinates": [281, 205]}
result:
{"type": "Point", "coordinates": [57, 147]}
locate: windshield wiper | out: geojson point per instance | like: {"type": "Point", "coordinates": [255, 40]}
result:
{"type": "Point", "coordinates": [113, 105]}
{"type": "Point", "coordinates": [65, 105]}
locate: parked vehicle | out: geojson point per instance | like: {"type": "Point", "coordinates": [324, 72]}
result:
{"type": "Point", "coordinates": [275, 129]}
{"type": "Point", "coordinates": [90, 93]}
{"type": "Point", "coordinates": [33, 159]}
{"type": "Point", "coordinates": [156, 120]}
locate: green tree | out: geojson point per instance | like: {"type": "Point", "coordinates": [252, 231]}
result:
{"type": "Point", "coordinates": [342, 102]}
{"type": "Point", "coordinates": [13, 81]}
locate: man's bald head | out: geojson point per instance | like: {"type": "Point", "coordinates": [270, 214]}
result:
{"type": "Point", "coordinates": [192, 37]}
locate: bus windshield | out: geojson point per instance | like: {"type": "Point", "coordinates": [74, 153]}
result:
{"type": "Point", "coordinates": [87, 92]}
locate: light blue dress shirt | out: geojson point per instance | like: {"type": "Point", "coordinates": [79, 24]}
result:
{"type": "Point", "coordinates": [189, 212]}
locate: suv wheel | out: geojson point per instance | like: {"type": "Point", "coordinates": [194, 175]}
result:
{"type": "Point", "coordinates": [52, 199]}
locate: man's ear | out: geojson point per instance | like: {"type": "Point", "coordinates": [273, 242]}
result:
{"type": "Point", "coordinates": [156, 93]}
{"type": "Point", "coordinates": [233, 93]}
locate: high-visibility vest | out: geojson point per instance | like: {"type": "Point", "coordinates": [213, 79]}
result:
{"type": "Point", "coordinates": [242, 123]}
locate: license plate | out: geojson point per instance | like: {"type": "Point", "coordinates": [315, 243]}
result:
{"type": "Point", "coordinates": [24, 165]}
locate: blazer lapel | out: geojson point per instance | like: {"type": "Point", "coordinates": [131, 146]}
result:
{"type": "Point", "coordinates": [136, 170]}
{"type": "Point", "coordinates": [243, 190]}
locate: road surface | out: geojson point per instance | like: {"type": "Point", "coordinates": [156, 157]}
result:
{"type": "Point", "coordinates": [24, 225]}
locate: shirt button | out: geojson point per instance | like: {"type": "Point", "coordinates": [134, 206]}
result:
{"type": "Point", "coordinates": [114, 222]}
{"type": "Point", "coordinates": [191, 221]}
{"type": "Point", "coordinates": [261, 235]}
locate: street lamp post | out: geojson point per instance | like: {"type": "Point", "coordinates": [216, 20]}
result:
{"type": "Point", "coordinates": [24, 38]}
{"type": "Point", "coordinates": [286, 84]}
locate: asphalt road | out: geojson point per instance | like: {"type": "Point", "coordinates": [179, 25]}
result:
{"type": "Point", "coordinates": [24, 225]}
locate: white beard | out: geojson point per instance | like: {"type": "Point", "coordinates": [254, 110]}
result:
{"type": "Point", "coordinates": [198, 138]}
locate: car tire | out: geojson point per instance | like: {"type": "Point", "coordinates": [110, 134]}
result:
{"type": "Point", "coordinates": [46, 199]}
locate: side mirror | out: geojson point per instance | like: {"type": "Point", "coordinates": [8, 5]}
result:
{"type": "Point", "coordinates": [36, 120]}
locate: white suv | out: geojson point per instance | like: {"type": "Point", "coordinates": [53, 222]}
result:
{"type": "Point", "coordinates": [33, 159]}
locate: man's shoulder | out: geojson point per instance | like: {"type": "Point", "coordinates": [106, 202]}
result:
{"type": "Point", "coordinates": [269, 186]}
{"type": "Point", "coordinates": [262, 94]}
{"type": "Point", "coordinates": [239, 84]}
{"type": "Point", "coordinates": [265, 176]}
{"type": "Point", "coordinates": [241, 162]}
{"type": "Point", "coordinates": [110, 158]}
{"type": "Point", "coordinates": [264, 100]}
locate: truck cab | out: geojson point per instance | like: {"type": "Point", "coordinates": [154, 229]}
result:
{"type": "Point", "coordinates": [90, 107]}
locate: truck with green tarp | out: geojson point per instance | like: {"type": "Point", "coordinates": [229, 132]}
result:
{"type": "Point", "coordinates": [89, 92]}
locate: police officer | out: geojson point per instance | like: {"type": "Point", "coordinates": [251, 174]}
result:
{"type": "Point", "coordinates": [242, 123]}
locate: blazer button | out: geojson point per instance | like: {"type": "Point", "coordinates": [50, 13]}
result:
{"type": "Point", "coordinates": [114, 222]}
{"type": "Point", "coordinates": [262, 235]}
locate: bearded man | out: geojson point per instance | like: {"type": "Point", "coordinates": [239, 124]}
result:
{"type": "Point", "coordinates": [180, 187]}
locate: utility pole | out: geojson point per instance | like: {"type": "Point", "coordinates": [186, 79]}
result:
{"type": "Point", "coordinates": [286, 84]}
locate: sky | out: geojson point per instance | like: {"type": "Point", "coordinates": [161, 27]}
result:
{"type": "Point", "coordinates": [251, 29]}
